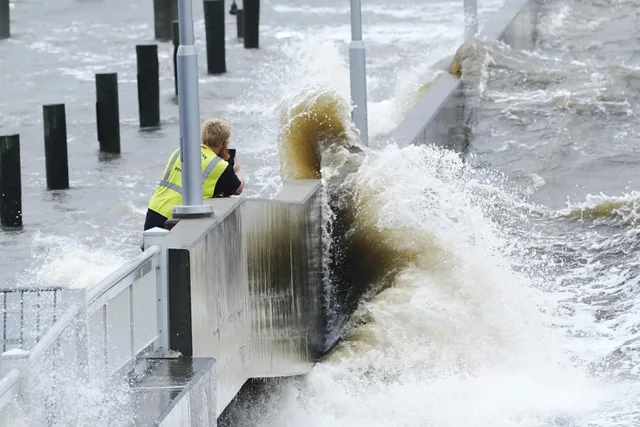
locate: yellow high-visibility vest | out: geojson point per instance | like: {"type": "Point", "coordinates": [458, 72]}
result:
{"type": "Point", "coordinates": [169, 191]}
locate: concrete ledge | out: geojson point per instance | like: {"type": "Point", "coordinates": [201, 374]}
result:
{"type": "Point", "coordinates": [441, 116]}
{"type": "Point", "coordinates": [505, 20]}
{"type": "Point", "coordinates": [176, 392]}
{"type": "Point", "coordinates": [436, 116]}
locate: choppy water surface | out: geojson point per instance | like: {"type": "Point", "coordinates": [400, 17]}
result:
{"type": "Point", "coordinates": [503, 306]}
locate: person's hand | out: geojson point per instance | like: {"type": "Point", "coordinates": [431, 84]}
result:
{"type": "Point", "coordinates": [236, 167]}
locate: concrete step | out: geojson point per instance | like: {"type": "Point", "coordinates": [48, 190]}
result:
{"type": "Point", "coordinates": [175, 391]}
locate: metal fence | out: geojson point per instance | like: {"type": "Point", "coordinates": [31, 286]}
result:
{"type": "Point", "coordinates": [26, 314]}
{"type": "Point", "coordinates": [54, 337]}
{"type": "Point", "coordinates": [122, 314]}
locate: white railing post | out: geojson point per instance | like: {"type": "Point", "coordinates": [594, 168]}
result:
{"type": "Point", "coordinates": [157, 237]}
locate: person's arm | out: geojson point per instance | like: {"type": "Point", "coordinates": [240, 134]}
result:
{"type": "Point", "coordinates": [229, 183]}
{"type": "Point", "coordinates": [238, 173]}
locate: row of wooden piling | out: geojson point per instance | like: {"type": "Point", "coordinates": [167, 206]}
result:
{"type": "Point", "coordinates": [55, 133]}
{"type": "Point", "coordinates": [166, 11]}
{"type": "Point", "coordinates": [247, 20]}
{"type": "Point", "coordinates": [107, 103]}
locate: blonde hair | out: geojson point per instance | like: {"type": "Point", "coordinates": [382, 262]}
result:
{"type": "Point", "coordinates": [216, 132]}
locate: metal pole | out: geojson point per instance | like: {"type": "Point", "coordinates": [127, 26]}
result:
{"type": "Point", "coordinates": [189, 113]}
{"type": "Point", "coordinates": [470, 18]}
{"type": "Point", "coordinates": [358, 72]}
{"type": "Point", "coordinates": [157, 237]}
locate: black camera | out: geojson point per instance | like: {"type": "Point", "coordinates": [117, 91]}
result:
{"type": "Point", "coordinates": [232, 156]}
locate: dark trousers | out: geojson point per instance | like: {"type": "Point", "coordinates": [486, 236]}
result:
{"type": "Point", "coordinates": [154, 219]}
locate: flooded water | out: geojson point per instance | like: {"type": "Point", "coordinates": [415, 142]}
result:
{"type": "Point", "coordinates": [510, 293]}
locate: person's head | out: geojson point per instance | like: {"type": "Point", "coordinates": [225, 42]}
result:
{"type": "Point", "coordinates": [215, 135]}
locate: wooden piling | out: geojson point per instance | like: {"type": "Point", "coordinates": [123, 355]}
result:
{"type": "Point", "coordinates": [108, 112]}
{"type": "Point", "coordinates": [251, 24]}
{"type": "Point", "coordinates": [10, 183]}
{"type": "Point", "coordinates": [214, 31]}
{"type": "Point", "coordinates": [148, 77]}
{"type": "Point", "coordinates": [55, 146]}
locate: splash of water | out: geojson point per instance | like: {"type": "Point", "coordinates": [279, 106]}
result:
{"type": "Point", "coordinates": [317, 136]}
{"type": "Point", "coordinates": [70, 262]}
{"type": "Point", "coordinates": [451, 334]}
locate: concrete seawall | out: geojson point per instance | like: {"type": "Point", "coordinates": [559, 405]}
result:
{"type": "Point", "coordinates": [441, 116]}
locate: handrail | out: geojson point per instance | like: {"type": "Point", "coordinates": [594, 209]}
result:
{"type": "Point", "coordinates": [7, 382]}
{"type": "Point", "coordinates": [33, 289]}
{"type": "Point", "coordinates": [53, 334]}
{"type": "Point", "coordinates": [120, 274]}
{"type": "Point", "coordinates": [33, 356]}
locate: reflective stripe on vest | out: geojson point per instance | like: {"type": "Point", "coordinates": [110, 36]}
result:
{"type": "Point", "coordinates": [164, 182]}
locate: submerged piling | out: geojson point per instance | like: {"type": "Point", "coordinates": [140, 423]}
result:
{"type": "Point", "coordinates": [10, 183]}
{"type": "Point", "coordinates": [251, 18]}
{"type": "Point", "coordinates": [164, 12]}
{"type": "Point", "coordinates": [5, 23]}
{"type": "Point", "coordinates": [214, 31]}
{"type": "Point", "coordinates": [55, 146]}
{"type": "Point", "coordinates": [148, 78]}
{"type": "Point", "coordinates": [108, 113]}
{"type": "Point", "coordinates": [240, 23]}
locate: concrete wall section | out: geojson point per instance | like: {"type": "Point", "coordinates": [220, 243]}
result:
{"type": "Point", "coordinates": [209, 294]}
{"type": "Point", "coordinates": [245, 287]}
{"type": "Point", "coordinates": [284, 238]}
{"type": "Point", "coordinates": [515, 24]}
{"type": "Point", "coordinates": [436, 118]}
{"type": "Point", "coordinates": [441, 116]}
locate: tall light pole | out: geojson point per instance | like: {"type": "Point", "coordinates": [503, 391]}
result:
{"type": "Point", "coordinates": [470, 18]}
{"type": "Point", "coordinates": [358, 72]}
{"type": "Point", "coordinates": [189, 113]}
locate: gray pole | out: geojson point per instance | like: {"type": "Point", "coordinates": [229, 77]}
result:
{"type": "Point", "coordinates": [189, 113]}
{"type": "Point", "coordinates": [358, 71]}
{"type": "Point", "coordinates": [470, 18]}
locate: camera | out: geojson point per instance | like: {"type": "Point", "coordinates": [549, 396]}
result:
{"type": "Point", "coordinates": [232, 156]}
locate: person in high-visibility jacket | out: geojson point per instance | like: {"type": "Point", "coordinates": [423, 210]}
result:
{"type": "Point", "coordinates": [221, 175]}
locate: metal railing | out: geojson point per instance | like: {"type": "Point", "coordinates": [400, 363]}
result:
{"type": "Point", "coordinates": [47, 337]}
{"type": "Point", "coordinates": [26, 314]}
{"type": "Point", "coordinates": [122, 313]}
{"type": "Point", "coordinates": [25, 369]}
{"type": "Point", "coordinates": [9, 387]}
